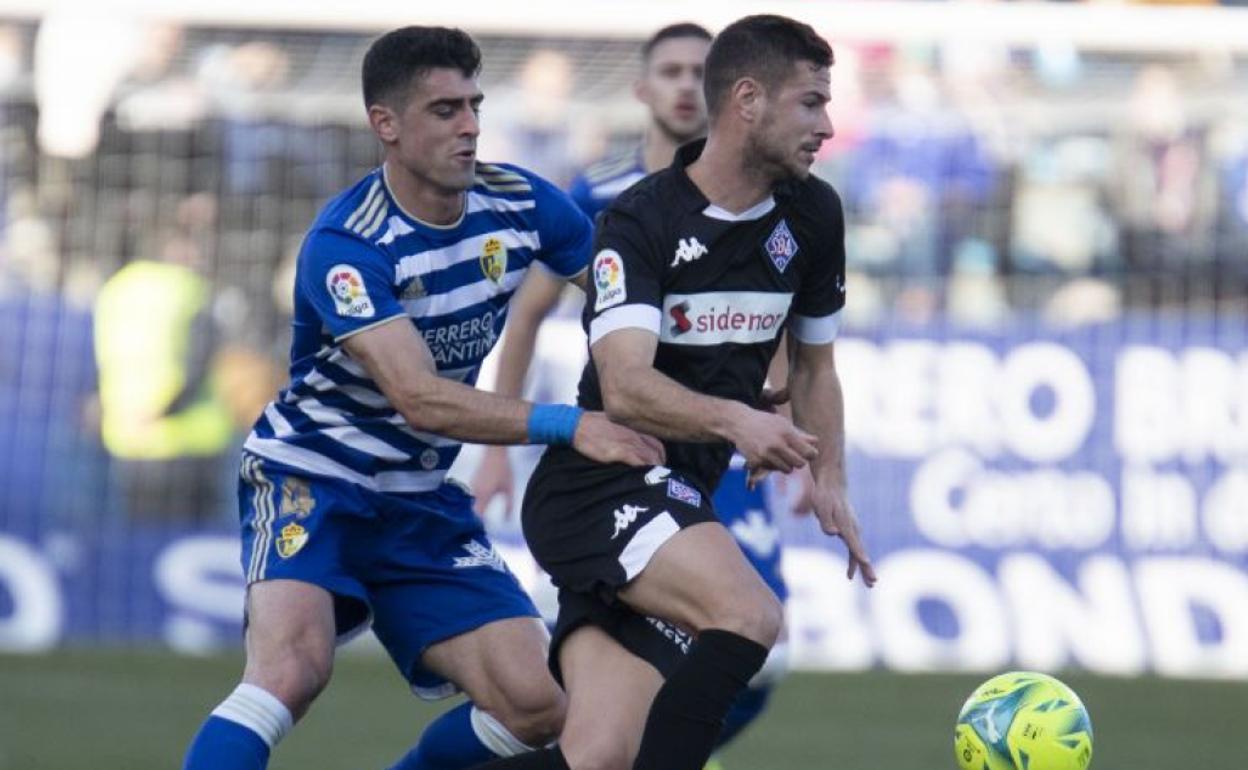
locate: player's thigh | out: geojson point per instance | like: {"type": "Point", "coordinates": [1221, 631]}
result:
{"type": "Point", "coordinates": [610, 691]}
{"type": "Point", "coordinates": [700, 579]}
{"type": "Point", "coordinates": [290, 638]}
{"type": "Point", "coordinates": [500, 665]}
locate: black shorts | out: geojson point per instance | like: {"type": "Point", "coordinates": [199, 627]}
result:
{"type": "Point", "coordinates": [594, 528]}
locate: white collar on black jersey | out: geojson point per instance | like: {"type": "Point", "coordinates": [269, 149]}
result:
{"type": "Point", "coordinates": [757, 211]}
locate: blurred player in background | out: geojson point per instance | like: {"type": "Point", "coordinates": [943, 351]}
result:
{"type": "Point", "coordinates": [670, 86]}
{"type": "Point", "coordinates": [401, 288]}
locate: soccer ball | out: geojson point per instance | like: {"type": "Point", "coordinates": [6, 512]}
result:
{"type": "Point", "coordinates": [1023, 721]}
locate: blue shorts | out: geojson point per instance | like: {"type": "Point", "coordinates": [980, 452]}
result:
{"type": "Point", "coordinates": [419, 566]}
{"type": "Point", "coordinates": [744, 512]}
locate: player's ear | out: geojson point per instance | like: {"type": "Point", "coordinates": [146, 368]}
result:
{"type": "Point", "coordinates": [746, 98]}
{"type": "Point", "coordinates": [641, 91]}
{"type": "Point", "coordinates": [385, 123]}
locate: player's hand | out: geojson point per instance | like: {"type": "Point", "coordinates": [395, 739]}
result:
{"type": "Point", "coordinates": [770, 442]}
{"type": "Point", "coordinates": [606, 442]}
{"type": "Point", "coordinates": [798, 487]}
{"type": "Point", "coordinates": [493, 478]}
{"type": "Point", "coordinates": [836, 517]}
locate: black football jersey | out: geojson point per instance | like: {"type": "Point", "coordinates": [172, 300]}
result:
{"type": "Point", "coordinates": [717, 288]}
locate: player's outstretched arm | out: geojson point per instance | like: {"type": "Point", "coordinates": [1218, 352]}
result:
{"type": "Point", "coordinates": [818, 406]}
{"type": "Point", "coordinates": [536, 297]}
{"type": "Point", "coordinates": [638, 395]}
{"type": "Point", "coordinates": [400, 363]}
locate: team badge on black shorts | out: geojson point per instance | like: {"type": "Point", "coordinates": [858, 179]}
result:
{"type": "Point", "coordinates": [678, 490]}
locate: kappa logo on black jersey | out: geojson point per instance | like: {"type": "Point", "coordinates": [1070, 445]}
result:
{"type": "Point", "coordinates": [688, 250]}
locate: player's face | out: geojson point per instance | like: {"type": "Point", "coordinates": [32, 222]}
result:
{"type": "Point", "coordinates": [434, 135]}
{"type": "Point", "coordinates": [671, 87]}
{"type": "Point", "coordinates": [794, 123]}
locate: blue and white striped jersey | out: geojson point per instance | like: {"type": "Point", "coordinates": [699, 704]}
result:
{"type": "Point", "coordinates": [598, 185]}
{"type": "Point", "coordinates": [366, 261]}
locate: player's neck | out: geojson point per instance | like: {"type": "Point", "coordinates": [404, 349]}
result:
{"type": "Point", "coordinates": [423, 202]}
{"type": "Point", "coordinates": [657, 149]}
{"type": "Point", "coordinates": [726, 180]}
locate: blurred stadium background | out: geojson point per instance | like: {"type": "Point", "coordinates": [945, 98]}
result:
{"type": "Point", "coordinates": [1046, 361]}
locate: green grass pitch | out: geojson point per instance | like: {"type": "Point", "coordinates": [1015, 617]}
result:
{"type": "Point", "coordinates": [137, 710]}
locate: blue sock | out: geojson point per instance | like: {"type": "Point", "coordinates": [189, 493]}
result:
{"type": "Point", "coordinates": [450, 742]}
{"type": "Point", "coordinates": [222, 743]}
{"type": "Point", "coordinates": [240, 733]}
{"type": "Point", "coordinates": [745, 709]}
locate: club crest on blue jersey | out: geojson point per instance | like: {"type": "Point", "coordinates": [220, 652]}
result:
{"type": "Point", "coordinates": [494, 260]}
{"type": "Point", "coordinates": [292, 539]}
{"type": "Point", "coordinates": [297, 498]}
{"type": "Point", "coordinates": [678, 490]}
{"type": "Point", "coordinates": [781, 246]}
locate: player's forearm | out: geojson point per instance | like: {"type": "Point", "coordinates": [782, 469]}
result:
{"type": "Point", "coordinates": [454, 410]}
{"type": "Point", "coordinates": [651, 402]}
{"type": "Point", "coordinates": [819, 408]}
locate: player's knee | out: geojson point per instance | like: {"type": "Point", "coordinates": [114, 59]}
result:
{"type": "Point", "coordinates": [295, 678]}
{"type": "Point", "coordinates": [534, 712]}
{"type": "Point", "coordinates": [601, 752]}
{"type": "Point", "coordinates": [756, 615]}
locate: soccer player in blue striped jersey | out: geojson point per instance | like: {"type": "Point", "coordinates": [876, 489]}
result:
{"type": "Point", "coordinates": [670, 87]}
{"type": "Point", "coordinates": [347, 517]}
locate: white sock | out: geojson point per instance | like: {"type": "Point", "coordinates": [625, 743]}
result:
{"type": "Point", "coordinates": [494, 736]}
{"type": "Point", "coordinates": [258, 711]}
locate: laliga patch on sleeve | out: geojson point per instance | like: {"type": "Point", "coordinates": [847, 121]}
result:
{"type": "Point", "coordinates": [346, 286]}
{"type": "Point", "coordinates": [608, 280]}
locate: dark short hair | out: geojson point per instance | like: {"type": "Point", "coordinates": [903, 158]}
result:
{"type": "Point", "coordinates": [399, 56]}
{"type": "Point", "coordinates": [672, 32]}
{"type": "Point", "coordinates": [764, 47]}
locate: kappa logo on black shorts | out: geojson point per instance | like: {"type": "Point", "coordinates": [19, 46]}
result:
{"type": "Point", "coordinates": [625, 515]}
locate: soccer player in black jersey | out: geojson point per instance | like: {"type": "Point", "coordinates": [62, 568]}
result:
{"type": "Point", "coordinates": [697, 269]}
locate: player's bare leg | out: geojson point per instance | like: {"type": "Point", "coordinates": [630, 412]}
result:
{"type": "Point", "coordinates": [607, 685]}
{"type": "Point", "coordinates": [609, 695]}
{"type": "Point", "coordinates": [699, 579]}
{"type": "Point", "coordinates": [290, 653]}
{"type": "Point", "coordinates": [515, 704]}
{"type": "Point", "coordinates": [290, 641]}
{"type": "Point", "coordinates": [502, 668]}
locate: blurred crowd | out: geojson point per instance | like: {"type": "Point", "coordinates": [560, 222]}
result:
{"type": "Point", "coordinates": [983, 184]}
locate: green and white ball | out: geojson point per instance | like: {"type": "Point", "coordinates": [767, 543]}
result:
{"type": "Point", "coordinates": [1023, 721]}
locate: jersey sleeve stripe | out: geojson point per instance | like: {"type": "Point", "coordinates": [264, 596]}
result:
{"type": "Point", "coordinates": [816, 330]}
{"type": "Point", "coordinates": [645, 317]}
{"type": "Point", "coordinates": [368, 214]}
{"type": "Point", "coordinates": [368, 202]}
{"type": "Point", "coordinates": [377, 221]}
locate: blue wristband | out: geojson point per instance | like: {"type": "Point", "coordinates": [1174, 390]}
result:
{"type": "Point", "coordinates": [553, 423]}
